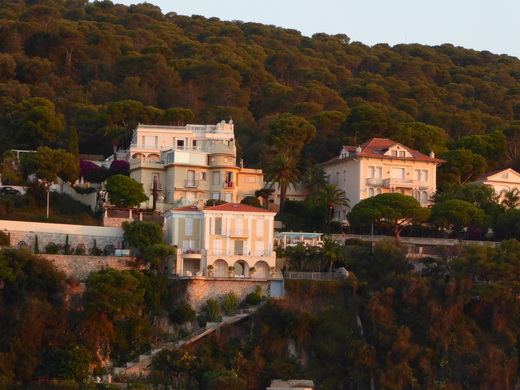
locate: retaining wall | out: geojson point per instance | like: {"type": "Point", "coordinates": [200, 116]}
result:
{"type": "Point", "coordinates": [24, 234]}
{"type": "Point", "coordinates": [199, 290]}
{"type": "Point", "coordinates": [81, 266]}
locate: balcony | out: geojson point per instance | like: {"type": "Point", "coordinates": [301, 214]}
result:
{"type": "Point", "coordinates": [405, 183]}
{"type": "Point", "coordinates": [191, 254]}
{"type": "Point", "coordinates": [229, 184]}
{"type": "Point", "coordinates": [373, 182]}
{"type": "Point", "coordinates": [191, 183]}
{"type": "Point", "coordinates": [239, 233]}
{"type": "Point", "coordinates": [159, 186]}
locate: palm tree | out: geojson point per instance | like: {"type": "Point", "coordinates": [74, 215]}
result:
{"type": "Point", "coordinates": [510, 199]}
{"type": "Point", "coordinates": [314, 178]}
{"type": "Point", "coordinates": [331, 196]}
{"type": "Point", "coordinates": [284, 172]}
{"type": "Point", "coordinates": [330, 252]}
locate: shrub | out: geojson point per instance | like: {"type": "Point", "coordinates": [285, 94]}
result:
{"type": "Point", "coordinates": [4, 238]}
{"type": "Point", "coordinates": [253, 299]}
{"type": "Point", "coordinates": [80, 250]}
{"type": "Point", "coordinates": [51, 248]}
{"type": "Point", "coordinates": [182, 313]}
{"type": "Point", "coordinates": [213, 310]}
{"type": "Point", "coordinates": [230, 303]}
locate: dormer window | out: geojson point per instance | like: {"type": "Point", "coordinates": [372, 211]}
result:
{"type": "Point", "coordinates": [402, 153]}
{"type": "Point", "coordinates": [343, 154]}
{"type": "Point", "coordinates": [393, 153]}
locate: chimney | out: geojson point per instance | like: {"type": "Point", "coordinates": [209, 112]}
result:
{"type": "Point", "coordinates": [432, 154]}
{"type": "Point", "coordinates": [358, 150]}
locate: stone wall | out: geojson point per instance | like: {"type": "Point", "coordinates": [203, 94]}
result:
{"type": "Point", "coordinates": [81, 266]}
{"type": "Point", "coordinates": [199, 290]}
{"type": "Point", "coordinates": [24, 234]}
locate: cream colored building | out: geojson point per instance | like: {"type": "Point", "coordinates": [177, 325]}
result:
{"type": "Point", "coordinates": [501, 181]}
{"type": "Point", "coordinates": [381, 166]}
{"type": "Point", "coordinates": [188, 164]}
{"type": "Point", "coordinates": [227, 235]}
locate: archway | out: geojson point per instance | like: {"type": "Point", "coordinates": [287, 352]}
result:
{"type": "Point", "coordinates": [241, 268]}
{"type": "Point", "coordinates": [220, 268]}
{"type": "Point", "coordinates": [262, 269]}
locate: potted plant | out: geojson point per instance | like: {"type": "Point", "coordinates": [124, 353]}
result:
{"type": "Point", "coordinates": [252, 271]}
{"type": "Point", "coordinates": [210, 270]}
{"type": "Point", "coordinates": [272, 272]}
{"type": "Point", "coordinates": [231, 271]}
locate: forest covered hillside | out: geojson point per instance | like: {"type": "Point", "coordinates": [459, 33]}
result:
{"type": "Point", "coordinates": [73, 69]}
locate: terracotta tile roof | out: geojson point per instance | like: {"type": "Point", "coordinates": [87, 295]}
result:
{"type": "Point", "coordinates": [377, 147]}
{"type": "Point", "coordinates": [238, 207]}
{"type": "Point", "coordinates": [187, 208]}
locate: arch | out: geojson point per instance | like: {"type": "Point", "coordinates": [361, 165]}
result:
{"type": "Point", "coordinates": [241, 268]}
{"type": "Point", "coordinates": [154, 157]}
{"type": "Point", "coordinates": [424, 197]}
{"type": "Point", "coordinates": [137, 155]}
{"type": "Point", "coordinates": [262, 269]}
{"type": "Point", "coordinates": [22, 244]}
{"type": "Point", "coordinates": [109, 250]}
{"type": "Point", "coordinates": [220, 268]}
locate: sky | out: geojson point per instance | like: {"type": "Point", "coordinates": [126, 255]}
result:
{"type": "Point", "coordinates": [473, 24]}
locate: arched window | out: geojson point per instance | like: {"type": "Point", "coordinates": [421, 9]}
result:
{"type": "Point", "coordinates": [370, 192]}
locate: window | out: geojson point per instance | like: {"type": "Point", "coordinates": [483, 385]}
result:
{"type": "Point", "coordinates": [217, 247]}
{"type": "Point", "coordinates": [344, 175]}
{"type": "Point", "coordinates": [239, 248]}
{"type": "Point", "coordinates": [337, 177]}
{"type": "Point", "coordinates": [424, 197]}
{"type": "Point", "coordinates": [394, 153]}
{"type": "Point", "coordinates": [218, 225]}
{"type": "Point", "coordinates": [259, 248]}
{"type": "Point", "coordinates": [216, 195]}
{"type": "Point", "coordinates": [402, 153]}
{"type": "Point", "coordinates": [216, 177]}
{"type": "Point", "coordinates": [421, 174]}
{"type": "Point", "coordinates": [180, 144]}
{"type": "Point", "coordinates": [370, 192]}
{"type": "Point", "coordinates": [259, 227]}
{"type": "Point", "coordinates": [202, 176]}
{"type": "Point", "coordinates": [375, 172]}
{"type": "Point", "coordinates": [398, 173]}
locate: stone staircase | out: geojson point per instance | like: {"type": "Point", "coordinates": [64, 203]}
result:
{"type": "Point", "coordinates": [141, 365]}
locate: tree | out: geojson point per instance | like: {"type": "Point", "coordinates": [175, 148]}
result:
{"type": "Point", "coordinates": [330, 252]}
{"type": "Point", "coordinates": [40, 122]}
{"type": "Point", "coordinates": [141, 235]}
{"type": "Point", "coordinates": [49, 164]}
{"type": "Point", "coordinates": [331, 196]}
{"type": "Point", "coordinates": [157, 256]}
{"type": "Point", "coordinates": [508, 225]}
{"type": "Point", "coordinates": [393, 211]}
{"type": "Point", "coordinates": [461, 166]}
{"type": "Point", "coordinates": [251, 201]}
{"type": "Point", "coordinates": [457, 214]}
{"type": "Point", "coordinates": [284, 172]}
{"type": "Point", "coordinates": [314, 178]}
{"type": "Point", "coordinates": [264, 193]}
{"type": "Point", "coordinates": [288, 134]}
{"type": "Point", "coordinates": [510, 199]}
{"type": "Point", "coordinates": [124, 191]}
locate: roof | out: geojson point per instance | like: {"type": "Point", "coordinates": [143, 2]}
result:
{"type": "Point", "coordinates": [377, 147]}
{"type": "Point", "coordinates": [243, 208]}
{"type": "Point", "coordinates": [238, 207]}
{"type": "Point", "coordinates": [489, 175]}
{"type": "Point", "coordinates": [298, 235]}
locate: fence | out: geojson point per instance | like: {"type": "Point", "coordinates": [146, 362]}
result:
{"type": "Point", "coordinates": [315, 275]}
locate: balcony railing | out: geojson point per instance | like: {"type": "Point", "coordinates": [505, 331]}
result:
{"type": "Point", "coordinates": [405, 183]}
{"type": "Point", "coordinates": [191, 183]}
{"type": "Point", "coordinates": [229, 184]}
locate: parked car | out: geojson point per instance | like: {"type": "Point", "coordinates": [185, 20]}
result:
{"type": "Point", "coordinates": [9, 191]}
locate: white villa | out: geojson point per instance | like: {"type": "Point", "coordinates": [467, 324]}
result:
{"type": "Point", "coordinates": [189, 163]}
{"type": "Point", "coordinates": [380, 166]}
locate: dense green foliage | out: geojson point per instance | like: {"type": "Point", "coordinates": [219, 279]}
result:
{"type": "Point", "coordinates": [88, 72]}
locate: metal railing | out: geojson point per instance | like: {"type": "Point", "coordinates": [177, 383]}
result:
{"type": "Point", "coordinates": [313, 275]}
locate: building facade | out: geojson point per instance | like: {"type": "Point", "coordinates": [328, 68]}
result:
{"type": "Point", "coordinates": [190, 163]}
{"type": "Point", "coordinates": [381, 166]}
{"type": "Point", "coordinates": [501, 181]}
{"type": "Point", "coordinates": [223, 236]}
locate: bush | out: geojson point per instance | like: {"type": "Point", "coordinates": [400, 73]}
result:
{"type": "Point", "coordinates": [182, 313]}
{"type": "Point", "coordinates": [230, 303]}
{"type": "Point", "coordinates": [80, 250]}
{"type": "Point", "coordinates": [254, 298]}
{"type": "Point", "coordinates": [51, 248]}
{"type": "Point", "coordinates": [212, 310]}
{"type": "Point", "coordinates": [4, 238]}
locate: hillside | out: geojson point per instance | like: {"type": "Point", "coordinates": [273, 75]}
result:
{"type": "Point", "coordinates": [90, 71]}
